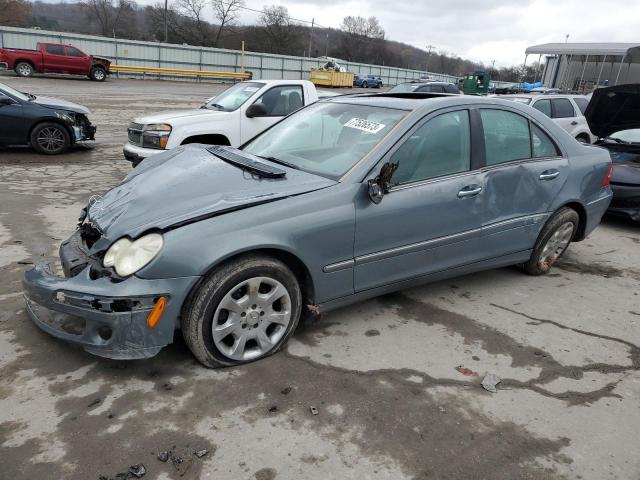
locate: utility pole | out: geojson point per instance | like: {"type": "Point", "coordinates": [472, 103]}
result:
{"type": "Point", "coordinates": [166, 32]}
{"type": "Point", "coordinates": [311, 35]}
{"type": "Point", "coordinates": [326, 46]}
{"type": "Point", "coordinates": [566, 38]}
{"type": "Point", "coordinates": [429, 50]}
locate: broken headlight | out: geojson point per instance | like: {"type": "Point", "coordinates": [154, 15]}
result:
{"type": "Point", "coordinates": [156, 135]}
{"type": "Point", "coordinates": [128, 256]}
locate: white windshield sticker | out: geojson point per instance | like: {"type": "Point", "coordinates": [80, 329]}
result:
{"type": "Point", "coordinates": [251, 89]}
{"type": "Point", "coordinates": [364, 125]}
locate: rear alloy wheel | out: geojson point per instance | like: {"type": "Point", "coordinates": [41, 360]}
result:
{"type": "Point", "coordinates": [98, 74]}
{"type": "Point", "coordinates": [50, 138]}
{"type": "Point", "coordinates": [553, 241]}
{"type": "Point", "coordinates": [244, 311]}
{"type": "Point", "coordinates": [365, 84]}
{"type": "Point", "coordinates": [24, 69]}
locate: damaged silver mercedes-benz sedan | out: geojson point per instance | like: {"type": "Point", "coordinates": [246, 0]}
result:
{"type": "Point", "coordinates": [346, 199]}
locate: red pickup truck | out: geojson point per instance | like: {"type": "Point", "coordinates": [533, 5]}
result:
{"type": "Point", "coordinates": [54, 58]}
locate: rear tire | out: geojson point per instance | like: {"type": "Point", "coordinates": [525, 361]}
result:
{"type": "Point", "coordinates": [365, 84]}
{"type": "Point", "coordinates": [50, 138]}
{"type": "Point", "coordinates": [233, 303]}
{"type": "Point", "coordinates": [553, 241]}
{"type": "Point", "coordinates": [98, 74]}
{"type": "Point", "coordinates": [24, 69]}
{"type": "Point", "coordinates": [583, 139]}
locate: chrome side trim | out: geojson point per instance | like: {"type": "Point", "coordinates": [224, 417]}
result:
{"type": "Point", "coordinates": [334, 267]}
{"type": "Point", "coordinates": [601, 199]}
{"type": "Point", "coordinates": [414, 247]}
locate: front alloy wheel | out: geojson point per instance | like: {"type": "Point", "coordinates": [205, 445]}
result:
{"type": "Point", "coordinates": [245, 310]}
{"type": "Point", "coordinates": [50, 138]}
{"type": "Point", "coordinates": [251, 319]}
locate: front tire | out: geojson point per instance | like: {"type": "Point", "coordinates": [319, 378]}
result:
{"type": "Point", "coordinates": [98, 74]}
{"type": "Point", "coordinates": [24, 69]}
{"type": "Point", "coordinates": [50, 138]}
{"type": "Point", "coordinates": [244, 311]}
{"type": "Point", "coordinates": [553, 241]}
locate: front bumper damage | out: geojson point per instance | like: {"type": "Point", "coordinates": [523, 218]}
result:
{"type": "Point", "coordinates": [106, 316]}
{"type": "Point", "coordinates": [83, 130]}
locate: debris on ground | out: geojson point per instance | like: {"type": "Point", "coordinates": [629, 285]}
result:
{"type": "Point", "coordinates": [467, 371]}
{"type": "Point", "coordinates": [314, 410]}
{"type": "Point", "coordinates": [201, 453]}
{"type": "Point", "coordinates": [167, 386]}
{"type": "Point", "coordinates": [95, 403]}
{"type": "Point", "coordinates": [273, 409]}
{"type": "Point", "coordinates": [138, 470]}
{"type": "Point", "coordinates": [286, 390]}
{"type": "Point", "coordinates": [163, 456]}
{"type": "Point", "coordinates": [314, 309]}
{"type": "Point", "coordinates": [490, 381]}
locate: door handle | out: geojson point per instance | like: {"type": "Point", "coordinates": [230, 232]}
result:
{"type": "Point", "coordinates": [469, 191]}
{"type": "Point", "coordinates": [574, 123]}
{"type": "Point", "coordinates": [549, 174]}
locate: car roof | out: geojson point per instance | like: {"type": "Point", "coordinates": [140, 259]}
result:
{"type": "Point", "coordinates": [538, 95]}
{"type": "Point", "coordinates": [421, 101]}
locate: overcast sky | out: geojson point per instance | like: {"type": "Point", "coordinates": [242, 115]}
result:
{"type": "Point", "coordinates": [480, 30]}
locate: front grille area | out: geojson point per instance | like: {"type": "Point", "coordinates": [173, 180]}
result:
{"type": "Point", "coordinates": [134, 132]}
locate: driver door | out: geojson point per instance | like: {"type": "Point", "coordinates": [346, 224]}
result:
{"type": "Point", "coordinates": [278, 102]}
{"type": "Point", "coordinates": [431, 218]}
{"type": "Point", "coordinates": [13, 131]}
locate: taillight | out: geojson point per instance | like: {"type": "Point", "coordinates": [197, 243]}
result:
{"type": "Point", "coordinates": [607, 179]}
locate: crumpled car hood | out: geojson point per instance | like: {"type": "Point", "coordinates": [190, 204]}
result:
{"type": "Point", "coordinates": [186, 184]}
{"type": "Point", "coordinates": [168, 116]}
{"type": "Point", "coordinates": [58, 103]}
{"type": "Point", "coordinates": [613, 109]}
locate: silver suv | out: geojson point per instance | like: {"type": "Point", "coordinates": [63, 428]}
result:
{"type": "Point", "coordinates": [566, 110]}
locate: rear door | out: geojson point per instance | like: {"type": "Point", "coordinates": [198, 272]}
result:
{"type": "Point", "coordinates": [430, 220]}
{"type": "Point", "coordinates": [278, 102]}
{"type": "Point", "coordinates": [54, 59]}
{"type": "Point", "coordinates": [524, 172]}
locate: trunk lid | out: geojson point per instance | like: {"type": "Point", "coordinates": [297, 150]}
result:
{"type": "Point", "coordinates": [613, 109]}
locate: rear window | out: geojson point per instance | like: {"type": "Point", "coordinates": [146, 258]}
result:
{"type": "Point", "coordinates": [562, 108]}
{"type": "Point", "coordinates": [544, 106]}
{"type": "Point", "coordinates": [582, 104]}
{"type": "Point", "coordinates": [54, 49]}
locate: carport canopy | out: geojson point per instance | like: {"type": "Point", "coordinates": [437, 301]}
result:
{"type": "Point", "coordinates": [595, 51]}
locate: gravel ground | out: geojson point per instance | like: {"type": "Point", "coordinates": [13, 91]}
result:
{"type": "Point", "coordinates": [383, 374]}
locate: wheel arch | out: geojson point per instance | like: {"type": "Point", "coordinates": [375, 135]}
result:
{"type": "Point", "coordinates": [24, 60]}
{"type": "Point", "coordinates": [207, 138]}
{"type": "Point", "coordinates": [292, 261]}
{"type": "Point", "coordinates": [51, 120]}
{"type": "Point", "coordinates": [582, 215]}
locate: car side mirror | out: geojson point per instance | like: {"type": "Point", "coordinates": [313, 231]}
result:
{"type": "Point", "coordinates": [380, 185]}
{"type": "Point", "coordinates": [256, 110]}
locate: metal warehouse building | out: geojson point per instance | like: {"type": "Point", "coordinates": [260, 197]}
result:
{"type": "Point", "coordinates": [580, 67]}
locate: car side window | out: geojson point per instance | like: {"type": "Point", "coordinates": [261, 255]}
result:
{"type": "Point", "coordinates": [442, 146]}
{"type": "Point", "coordinates": [562, 108]}
{"type": "Point", "coordinates": [582, 104]}
{"type": "Point", "coordinates": [74, 52]}
{"type": "Point", "coordinates": [542, 144]}
{"type": "Point", "coordinates": [281, 101]}
{"type": "Point", "coordinates": [55, 49]}
{"type": "Point", "coordinates": [506, 136]}
{"type": "Point", "coordinates": [544, 106]}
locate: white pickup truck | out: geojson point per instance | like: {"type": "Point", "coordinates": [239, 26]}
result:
{"type": "Point", "coordinates": [231, 118]}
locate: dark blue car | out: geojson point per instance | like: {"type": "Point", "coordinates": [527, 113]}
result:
{"type": "Point", "coordinates": [366, 81]}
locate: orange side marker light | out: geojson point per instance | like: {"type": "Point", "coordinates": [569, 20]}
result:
{"type": "Point", "coordinates": [156, 313]}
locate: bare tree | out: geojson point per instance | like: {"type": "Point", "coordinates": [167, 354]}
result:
{"type": "Point", "coordinates": [226, 12]}
{"type": "Point", "coordinates": [15, 13]}
{"type": "Point", "coordinates": [279, 27]}
{"type": "Point", "coordinates": [363, 38]}
{"type": "Point", "coordinates": [106, 13]}
{"type": "Point", "coordinates": [194, 11]}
